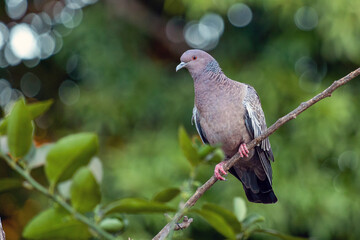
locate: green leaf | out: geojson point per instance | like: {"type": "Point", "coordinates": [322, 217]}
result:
{"type": "Point", "coordinates": [239, 208]}
{"type": "Point", "coordinates": [137, 205]}
{"type": "Point", "coordinates": [278, 234]}
{"type": "Point", "coordinates": [252, 219]}
{"type": "Point", "coordinates": [188, 149]}
{"type": "Point", "coordinates": [205, 150]}
{"type": "Point", "coordinates": [197, 141]}
{"type": "Point", "coordinates": [3, 126]}
{"type": "Point", "coordinates": [112, 225]}
{"type": "Point", "coordinates": [85, 191]}
{"type": "Point", "coordinates": [68, 154]}
{"type": "Point", "coordinates": [9, 183]}
{"type": "Point", "coordinates": [227, 215]}
{"type": "Point", "coordinates": [38, 108]}
{"type": "Point", "coordinates": [19, 130]}
{"type": "Point", "coordinates": [35, 110]}
{"type": "Point", "coordinates": [215, 157]}
{"type": "Point", "coordinates": [217, 222]}
{"type": "Point", "coordinates": [166, 195]}
{"type": "Point", "coordinates": [55, 224]}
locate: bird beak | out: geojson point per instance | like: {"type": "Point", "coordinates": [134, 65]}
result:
{"type": "Point", "coordinates": [180, 66]}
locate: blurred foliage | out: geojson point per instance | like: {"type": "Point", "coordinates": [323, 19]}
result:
{"type": "Point", "coordinates": [131, 96]}
{"type": "Point", "coordinates": [65, 160]}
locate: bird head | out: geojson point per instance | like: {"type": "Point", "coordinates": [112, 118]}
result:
{"type": "Point", "coordinates": [197, 61]}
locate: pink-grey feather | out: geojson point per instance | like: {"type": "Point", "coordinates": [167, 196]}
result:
{"type": "Point", "coordinates": [230, 113]}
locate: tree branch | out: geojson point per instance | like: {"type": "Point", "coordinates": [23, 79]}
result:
{"type": "Point", "coordinates": [185, 224]}
{"type": "Point", "coordinates": [281, 121]}
{"type": "Point", "coordinates": [101, 233]}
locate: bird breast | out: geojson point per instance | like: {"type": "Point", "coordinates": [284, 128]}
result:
{"type": "Point", "coordinates": [221, 114]}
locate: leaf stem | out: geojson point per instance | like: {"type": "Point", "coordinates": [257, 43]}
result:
{"type": "Point", "coordinates": [100, 232]}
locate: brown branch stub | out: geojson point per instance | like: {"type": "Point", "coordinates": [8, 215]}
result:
{"type": "Point", "coordinates": [185, 224]}
{"type": "Point", "coordinates": [281, 121]}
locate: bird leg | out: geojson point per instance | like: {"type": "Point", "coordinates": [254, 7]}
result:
{"type": "Point", "coordinates": [219, 170]}
{"type": "Point", "coordinates": [243, 151]}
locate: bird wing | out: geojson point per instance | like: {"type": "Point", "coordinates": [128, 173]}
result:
{"type": "Point", "coordinates": [256, 125]}
{"type": "Point", "coordinates": [196, 118]}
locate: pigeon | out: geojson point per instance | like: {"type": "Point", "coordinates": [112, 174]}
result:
{"type": "Point", "coordinates": [229, 113]}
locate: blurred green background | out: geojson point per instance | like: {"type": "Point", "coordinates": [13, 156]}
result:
{"type": "Point", "coordinates": [110, 66]}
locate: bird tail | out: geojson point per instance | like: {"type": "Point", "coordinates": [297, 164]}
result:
{"type": "Point", "coordinates": [265, 194]}
{"type": "Point", "coordinates": [257, 190]}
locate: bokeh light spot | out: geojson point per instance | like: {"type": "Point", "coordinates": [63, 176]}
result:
{"type": "Point", "coordinates": [15, 9]}
{"type": "Point", "coordinates": [304, 64]}
{"type": "Point", "coordinates": [47, 44]}
{"type": "Point", "coordinates": [192, 35]}
{"type": "Point", "coordinates": [31, 62]}
{"type": "Point", "coordinates": [69, 92]}
{"type": "Point", "coordinates": [5, 96]}
{"type": "Point", "coordinates": [30, 84]}
{"type": "Point", "coordinates": [3, 62]}
{"type": "Point", "coordinates": [23, 41]}
{"type": "Point", "coordinates": [205, 34]}
{"type": "Point", "coordinates": [306, 18]}
{"type": "Point", "coordinates": [2, 40]}
{"type": "Point", "coordinates": [348, 160]}
{"type": "Point", "coordinates": [310, 76]}
{"type": "Point", "coordinates": [171, 31]}
{"type": "Point", "coordinates": [309, 81]}
{"type": "Point", "coordinates": [40, 33]}
{"type": "Point", "coordinates": [72, 63]}
{"type": "Point", "coordinates": [240, 15]}
{"type": "Point", "coordinates": [56, 11]}
{"type": "Point", "coordinates": [5, 92]}
{"type": "Point", "coordinates": [10, 56]}
{"type": "Point", "coordinates": [211, 25]}
{"type": "Point", "coordinates": [89, 1]}
{"type": "Point", "coordinates": [4, 34]}
{"type": "Point", "coordinates": [9, 96]}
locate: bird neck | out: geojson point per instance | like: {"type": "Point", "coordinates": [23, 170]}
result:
{"type": "Point", "coordinates": [209, 78]}
{"type": "Point", "coordinates": [212, 66]}
{"type": "Point", "coordinates": [211, 71]}
{"type": "Point", "coordinates": [207, 87]}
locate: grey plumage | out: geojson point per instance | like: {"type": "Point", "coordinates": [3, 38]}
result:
{"type": "Point", "coordinates": [230, 113]}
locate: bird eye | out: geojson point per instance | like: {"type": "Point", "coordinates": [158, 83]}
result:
{"type": "Point", "coordinates": [194, 57]}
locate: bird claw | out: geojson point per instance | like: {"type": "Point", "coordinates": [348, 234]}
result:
{"type": "Point", "coordinates": [243, 151]}
{"type": "Point", "coordinates": [219, 170]}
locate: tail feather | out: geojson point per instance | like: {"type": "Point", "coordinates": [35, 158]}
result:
{"type": "Point", "coordinates": [256, 190]}
{"type": "Point", "coordinates": [264, 195]}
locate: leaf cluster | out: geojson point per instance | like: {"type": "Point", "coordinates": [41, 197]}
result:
{"type": "Point", "coordinates": [68, 160]}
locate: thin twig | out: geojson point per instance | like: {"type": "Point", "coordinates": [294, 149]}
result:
{"type": "Point", "coordinates": [101, 233]}
{"type": "Point", "coordinates": [281, 121]}
{"type": "Point", "coordinates": [185, 224]}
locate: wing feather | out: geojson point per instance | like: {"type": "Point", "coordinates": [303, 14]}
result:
{"type": "Point", "coordinates": [196, 118]}
{"type": "Point", "coordinates": [256, 125]}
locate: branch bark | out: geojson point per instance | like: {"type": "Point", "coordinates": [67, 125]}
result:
{"type": "Point", "coordinates": [185, 224]}
{"type": "Point", "coordinates": [281, 121]}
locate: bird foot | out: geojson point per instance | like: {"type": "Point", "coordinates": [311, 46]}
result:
{"type": "Point", "coordinates": [219, 170]}
{"type": "Point", "coordinates": [243, 151]}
